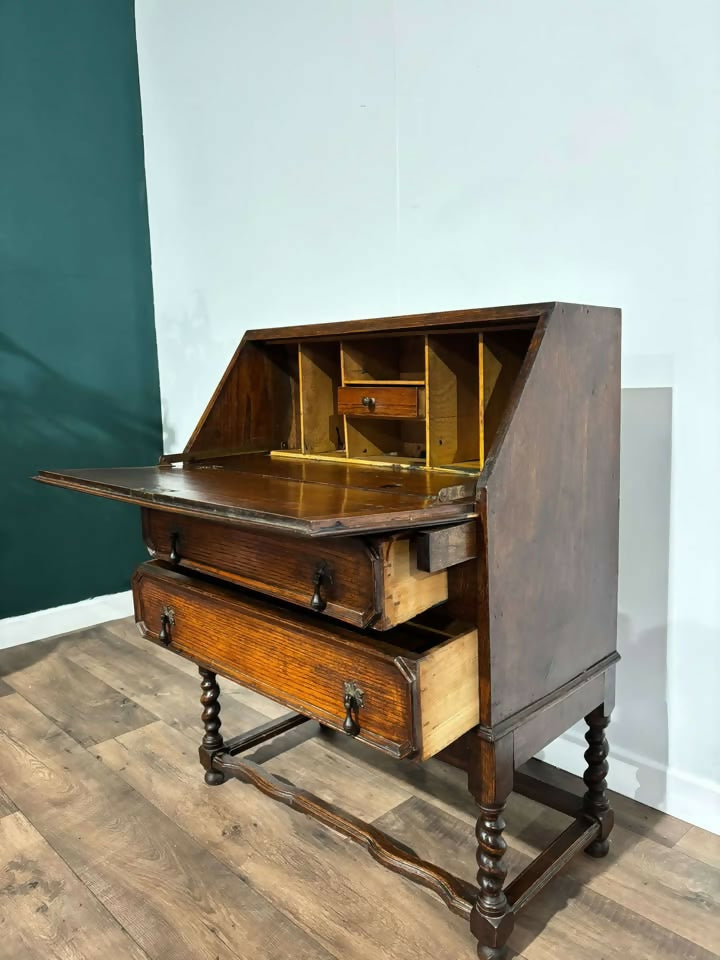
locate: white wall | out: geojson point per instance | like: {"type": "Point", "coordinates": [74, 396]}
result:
{"type": "Point", "coordinates": [313, 160]}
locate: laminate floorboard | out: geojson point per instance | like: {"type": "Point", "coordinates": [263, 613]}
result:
{"type": "Point", "coordinates": [79, 703]}
{"type": "Point", "coordinates": [331, 887]}
{"type": "Point", "coordinates": [6, 805]}
{"type": "Point", "coordinates": [702, 845]}
{"type": "Point", "coordinates": [111, 845]}
{"type": "Point", "coordinates": [46, 910]}
{"type": "Point", "coordinates": [161, 689]}
{"type": "Point", "coordinates": [170, 894]}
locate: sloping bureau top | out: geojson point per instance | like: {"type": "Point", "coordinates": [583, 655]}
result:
{"type": "Point", "coordinates": [410, 323]}
{"type": "Point", "coordinates": [399, 422]}
{"type": "Point", "coordinates": [310, 499]}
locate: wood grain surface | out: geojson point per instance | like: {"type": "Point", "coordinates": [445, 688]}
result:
{"type": "Point", "coordinates": [46, 911]}
{"type": "Point", "coordinates": [256, 404]}
{"type": "Point", "coordinates": [6, 805]}
{"type": "Point", "coordinates": [280, 566]}
{"type": "Point", "coordinates": [485, 316]}
{"type": "Point", "coordinates": [338, 473]}
{"type": "Point", "coordinates": [305, 661]}
{"type": "Point", "coordinates": [551, 515]}
{"type": "Point", "coordinates": [299, 660]}
{"type": "Point", "coordinates": [133, 859]}
{"type": "Point", "coordinates": [302, 508]}
{"type": "Point", "coordinates": [400, 402]}
{"type": "Point", "coordinates": [78, 702]}
{"type": "Point", "coordinates": [154, 864]}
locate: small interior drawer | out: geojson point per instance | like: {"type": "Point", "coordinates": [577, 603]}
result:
{"type": "Point", "coordinates": [395, 402]}
{"type": "Point", "coordinates": [365, 582]}
{"type": "Point", "coordinates": [418, 686]}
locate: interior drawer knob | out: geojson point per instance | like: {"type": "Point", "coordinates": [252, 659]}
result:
{"type": "Point", "coordinates": [369, 402]}
{"type": "Point", "coordinates": [167, 620]}
{"type": "Point", "coordinates": [353, 699]}
{"type": "Point", "coordinates": [321, 577]}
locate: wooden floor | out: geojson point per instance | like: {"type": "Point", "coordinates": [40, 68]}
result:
{"type": "Point", "coordinates": [112, 847]}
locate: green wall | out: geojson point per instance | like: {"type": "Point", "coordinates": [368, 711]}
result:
{"type": "Point", "coordinates": [78, 358]}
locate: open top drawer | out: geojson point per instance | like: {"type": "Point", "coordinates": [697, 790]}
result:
{"type": "Point", "coordinates": [412, 693]}
{"type": "Point", "coordinates": [362, 581]}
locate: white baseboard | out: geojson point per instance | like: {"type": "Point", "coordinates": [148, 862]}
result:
{"type": "Point", "coordinates": [71, 616]}
{"type": "Point", "coordinates": [681, 794]}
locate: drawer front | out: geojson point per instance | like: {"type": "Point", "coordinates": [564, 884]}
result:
{"type": "Point", "coordinates": [371, 401]}
{"type": "Point", "coordinates": [364, 583]}
{"type": "Point", "coordinates": [281, 566]}
{"type": "Point", "coordinates": [419, 693]}
{"type": "Point", "coordinates": [302, 661]}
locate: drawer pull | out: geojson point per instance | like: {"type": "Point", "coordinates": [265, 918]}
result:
{"type": "Point", "coordinates": [369, 402]}
{"type": "Point", "coordinates": [167, 620]}
{"type": "Point", "coordinates": [174, 552]}
{"type": "Point", "coordinates": [353, 699]}
{"type": "Point", "coordinates": [322, 576]}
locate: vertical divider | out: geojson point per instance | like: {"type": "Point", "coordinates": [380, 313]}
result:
{"type": "Point", "coordinates": [342, 363]}
{"type": "Point", "coordinates": [319, 377]}
{"type": "Point", "coordinates": [301, 401]}
{"type": "Point", "coordinates": [453, 400]}
{"type": "Point", "coordinates": [346, 438]}
{"type": "Point", "coordinates": [481, 399]}
{"type": "Point", "coordinates": [428, 401]}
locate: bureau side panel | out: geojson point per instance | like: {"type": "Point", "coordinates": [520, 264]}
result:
{"type": "Point", "coordinates": [552, 514]}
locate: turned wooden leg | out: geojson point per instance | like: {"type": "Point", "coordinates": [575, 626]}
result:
{"type": "Point", "coordinates": [491, 847]}
{"type": "Point", "coordinates": [212, 740]}
{"type": "Point", "coordinates": [595, 802]}
{"type": "Point", "coordinates": [490, 782]}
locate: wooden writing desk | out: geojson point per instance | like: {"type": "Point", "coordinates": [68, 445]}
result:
{"type": "Point", "coordinates": [405, 529]}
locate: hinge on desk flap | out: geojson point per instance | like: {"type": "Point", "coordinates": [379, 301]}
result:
{"type": "Point", "coordinates": [457, 491]}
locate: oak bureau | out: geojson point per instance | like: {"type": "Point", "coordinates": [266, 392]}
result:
{"type": "Point", "coordinates": [404, 529]}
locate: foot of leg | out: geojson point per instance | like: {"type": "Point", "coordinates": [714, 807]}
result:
{"type": "Point", "coordinates": [212, 741]}
{"type": "Point", "coordinates": [491, 953]}
{"type": "Point", "coordinates": [595, 802]}
{"type": "Point", "coordinates": [213, 778]}
{"type": "Point", "coordinates": [598, 849]}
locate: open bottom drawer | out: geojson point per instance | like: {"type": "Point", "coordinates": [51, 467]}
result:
{"type": "Point", "coordinates": [411, 694]}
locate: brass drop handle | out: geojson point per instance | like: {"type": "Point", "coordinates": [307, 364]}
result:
{"type": "Point", "coordinates": [353, 699]}
{"type": "Point", "coordinates": [369, 402]}
{"type": "Point", "coordinates": [167, 620]}
{"type": "Point", "coordinates": [174, 552]}
{"type": "Point", "coordinates": [322, 576]}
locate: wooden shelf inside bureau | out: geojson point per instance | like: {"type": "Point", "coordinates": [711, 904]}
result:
{"type": "Point", "coordinates": [426, 401]}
